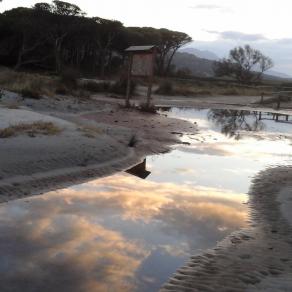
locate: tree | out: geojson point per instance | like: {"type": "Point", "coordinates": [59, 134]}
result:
{"type": "Point", "coordinates": [66, 9]}
{"type": "Point", "coordinates": [167, 41]}
{"type": "Point", "coordinates": [107, 32]}
{"type": "Point", "coordinates": [27, 36]}
{"type": "Point", "coordinates": [58, 34]}
{"type": "Point", "coordinates": [245, 64]}
{"type": "Point", "coordinates": [61, 18]}
{"type": "Point", "coordinates": [170, 42]}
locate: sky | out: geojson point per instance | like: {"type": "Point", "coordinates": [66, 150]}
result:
{"type": "Point", "coordinates": [215, 25]}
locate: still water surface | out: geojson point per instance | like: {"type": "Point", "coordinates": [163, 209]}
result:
{"type": "Point", "coordinates": [131, 231]}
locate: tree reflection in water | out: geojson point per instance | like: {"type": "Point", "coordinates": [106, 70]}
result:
{"type": "Point", "coordinates": [234, 121]}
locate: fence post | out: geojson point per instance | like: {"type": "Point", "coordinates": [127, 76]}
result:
{"type": "Point", "coordinates": [278, 101]}
{"type": "Point", "coordinates": [262, 97]}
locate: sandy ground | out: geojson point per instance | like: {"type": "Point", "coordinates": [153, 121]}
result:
{"type": "Point", "coordinates": [94, 142]}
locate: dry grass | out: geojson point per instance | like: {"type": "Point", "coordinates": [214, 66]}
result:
{"type": "Point", "coordinates": [33, 85]}
{"type": "Point", "coordinates": [133, 141]}
{"type": "Point", "coordinates": [33, 129]}
{"type": "Point", "coordinates": [27, 84]}
{"type": "Point", "coordinates": [198, 89]}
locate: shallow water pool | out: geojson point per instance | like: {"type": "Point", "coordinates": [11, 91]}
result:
{"type": "Point", "coordinates": [131, 231]}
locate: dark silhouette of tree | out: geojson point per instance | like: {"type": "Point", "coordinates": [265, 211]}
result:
{"type": "Point", "coordinates": [58, 35]}
{"type": "Point", "coordinates": [245, 64]}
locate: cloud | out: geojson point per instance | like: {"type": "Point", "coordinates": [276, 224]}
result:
{"type": "Point", "coordinates": [238, 36]}
{"type": "Point", "coordinates": [211, 7]}
{"type": "Point", "coordinates": [206, 6]}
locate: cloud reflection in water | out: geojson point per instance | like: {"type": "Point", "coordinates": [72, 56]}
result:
{"type": "Point", "coordinates": [111, 234]}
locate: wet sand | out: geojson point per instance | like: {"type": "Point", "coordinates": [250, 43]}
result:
{"type": "Point", "coordinates": [258, 258]}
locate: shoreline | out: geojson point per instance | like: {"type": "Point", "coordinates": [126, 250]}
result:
{"type": "Point", "coordinates": [256, 258]}
{"type": "Point", "coordinates": [251, 259]}
{"type": "Point", "coordinates": [91, 145]}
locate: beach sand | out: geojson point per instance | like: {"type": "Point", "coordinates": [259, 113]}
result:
{"type": "Point", "coordinates": [93, 142]}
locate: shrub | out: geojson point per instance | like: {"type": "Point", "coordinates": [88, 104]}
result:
{"type": "Point", "coordinates": [97, 87]}
{"type": "Point", "coordinates": [61, 90]}
{"type": "Point", "coordinates": [230, 91]}
{"type": "Point", "coordinates": [144, 107]}
{"type": "Point", "coordinates": [120, 87]}
{"type": "Point", "coordinates": [30, 93]}
{"type": "Point", "coordinates": [69, 77]}
{"type": "Point", "coordinates": [165, 88]}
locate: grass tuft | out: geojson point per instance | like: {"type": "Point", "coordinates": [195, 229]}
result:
{"type": "Point", "coordinates": [133, 141]}
{"type": "Point", "coordinates": [33, 129]}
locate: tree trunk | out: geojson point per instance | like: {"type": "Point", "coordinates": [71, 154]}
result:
{"type": "Point", "coordinates": [170, 61]}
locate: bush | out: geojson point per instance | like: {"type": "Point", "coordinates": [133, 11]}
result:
{"type": "Point", "coordinates": [69, 77]}
{"type": "Point", "coordinates": [120, 87]}
{"type": "Point", "coordinates": [165, 88]}
{"type": "Point", "coordinates": [30, 93]}
{"type": "Point", "coordinates": [144, 107]}
{"type": "Point", "coordinates": [96, 87]}
{"type": "Point", "coordinates": [62, 90]}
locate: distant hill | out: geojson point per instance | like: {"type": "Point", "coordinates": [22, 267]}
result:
{"type": "Point", "coordinates": [278, 74]}
{"type": "Point", "coordinates": [197, 66]}
{"type": "Point", "coordinates": [203, 67]}
{"type": "Point", "coordinates": [200, 54]}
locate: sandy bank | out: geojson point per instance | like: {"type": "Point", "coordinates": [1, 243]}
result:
{"type": "Point", "coordinates": [256, 259]}
{"type": "Point", "coordinates": [91, 144]}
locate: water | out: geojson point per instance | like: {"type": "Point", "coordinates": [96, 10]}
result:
{"type": "Point", "coordinates": [131, 231]}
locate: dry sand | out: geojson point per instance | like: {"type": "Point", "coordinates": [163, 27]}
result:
{"type": "Point", "coordinates": [93, 142]}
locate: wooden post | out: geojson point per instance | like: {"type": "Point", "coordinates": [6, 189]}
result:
{"type": "Point", "coordinates": [277, 117]}
{"type": "Point", "coordinates": [262, 97]}
{"type": "Point", "coordinates": [278, 102]}
{"type": "Point", "coordinates": [149, 91]}
{"type": "Point", "coordinates": [128, 94]}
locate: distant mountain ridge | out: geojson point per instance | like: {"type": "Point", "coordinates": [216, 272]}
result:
{"type": "Point", "coordinates": [204, 54]}
{"type": "Point", "coordinates": [200, 63]}
{"type": "Point", "coordinates": [196, 66]}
